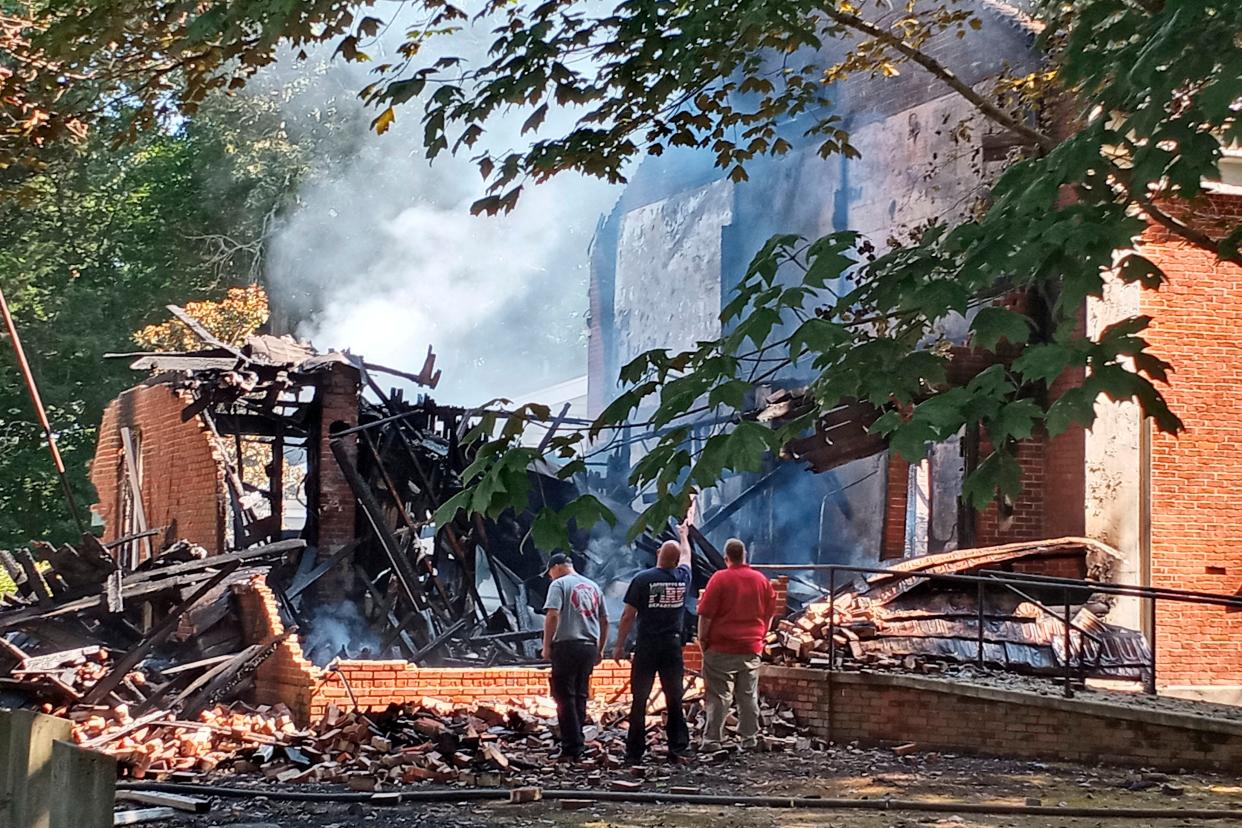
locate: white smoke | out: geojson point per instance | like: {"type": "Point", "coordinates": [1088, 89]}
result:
{"type": "Point", "coordinates": [337, 628]}
{"type": "Point", "coordinates": [382, 256]}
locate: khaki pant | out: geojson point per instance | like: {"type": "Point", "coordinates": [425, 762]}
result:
{"type": "Point", "coordinates": [729, 676]}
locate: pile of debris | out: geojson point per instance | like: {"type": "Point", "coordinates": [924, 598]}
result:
{"type": "Point", "coordinates": [84, 635]}
{"type": "Point", "coordinates": [896, 618]}
{"type": "Point", "coordinates": [156, 743]}
{"type": "Point", "coordinates": [430, 741]}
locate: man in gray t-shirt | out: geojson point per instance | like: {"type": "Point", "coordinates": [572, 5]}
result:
{"type": "Point", "coordinates": [575, 630]}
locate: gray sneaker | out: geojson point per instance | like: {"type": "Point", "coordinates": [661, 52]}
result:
{"type": "Point", "coordinates": [749, 744]}
{"type": "Point", "coordinates": [709, 747]}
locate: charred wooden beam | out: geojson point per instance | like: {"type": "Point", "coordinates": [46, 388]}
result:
{"type": "Point", "coordinates": [407, 578]}
{"type": "Point", "coordinates": [322, 569]}
{"type": "Point", "coordinates": [217, 682]}
{"type": "Point", "coordinates": [382, 602]}
{"type": "Point", "coordinates": [158, 633]}
{"type": "Point", "coordinates": [399, 503]}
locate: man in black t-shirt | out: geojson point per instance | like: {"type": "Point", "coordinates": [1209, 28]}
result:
{"type": "Point", "coordinates": [657, 599]}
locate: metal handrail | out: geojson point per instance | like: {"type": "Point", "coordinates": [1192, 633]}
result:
{"type": "Point", "coordinates": [1152, 595]}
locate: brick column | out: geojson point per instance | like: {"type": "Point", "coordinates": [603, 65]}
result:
{"type": "Point", "coordinates": [337, 518]}
{"type": "Point", "coordinates": [780, 585]}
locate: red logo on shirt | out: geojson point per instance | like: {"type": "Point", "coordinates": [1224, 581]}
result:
{"type": "Point", "coordinates": [585, 599]}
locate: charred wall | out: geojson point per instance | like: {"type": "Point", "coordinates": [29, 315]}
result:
{"type": "Point", "coordinates": [682, 236]}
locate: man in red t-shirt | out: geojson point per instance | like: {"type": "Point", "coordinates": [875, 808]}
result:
{"type": "Point", "coordinates": [735, 610]}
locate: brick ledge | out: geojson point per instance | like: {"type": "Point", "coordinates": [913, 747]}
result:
{"type": "Point", "coordinates": [1188, 721]}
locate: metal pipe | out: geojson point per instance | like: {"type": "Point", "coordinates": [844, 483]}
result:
{"type": "Point", "coordinates": [1151, 638]}
{"type": "Point", "coordinates": [593, 795]}
{"type": "Point", "coordinates": [832, 618]}
{"type": "Point", "coordinates": [33, 390]}
{"type": "Point", "coordinates": [1069, 690]}
{"type": "Point", "coordinates": [1186, 595]}
{"type": "Point", "coordinates": [995, 576]}
{"type": "Point", "coordinates": [979, 606]}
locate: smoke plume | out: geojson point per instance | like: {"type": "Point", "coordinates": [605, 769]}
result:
{"type": "Point", "coordinates": [381, 255]}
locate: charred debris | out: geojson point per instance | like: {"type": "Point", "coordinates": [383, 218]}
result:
{"type": "Point", "coordinates": [144, 617]}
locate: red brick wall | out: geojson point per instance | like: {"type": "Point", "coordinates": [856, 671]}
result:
{"type": "Point", "coordinates": [1065, 464]}
{"type": "Point", "coordinates": [307, 690]}
{"type": "Point", "coordinates": [1196, 479]}
{"type": "Point", "coordinates": [943, 715]}
{"type": "Point", "coordinates": [896, 495]}
{"type": "Point", "coordinates": [1052, 494]}
{"type": "Point", "coordinates": [183, 485]}
{"type": "Point", "coordinates": [1026, 521]}
{"type": "Point", "coordinates": [780, 585]}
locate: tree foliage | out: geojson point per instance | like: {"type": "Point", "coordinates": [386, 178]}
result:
{"type": "Point", "coordinates": [93, 245]}
{"type": "Point", "coordinates": [1124, 120]}
{"type": "Point", "coordinates": [1146, 111]}
{"type": "Point", "coordinates": [231, 319]}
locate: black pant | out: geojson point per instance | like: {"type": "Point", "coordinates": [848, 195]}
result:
{"type": "Point", "coordinates": [660, 657]}
{"type": "Point", "coordinates": [572, 664]}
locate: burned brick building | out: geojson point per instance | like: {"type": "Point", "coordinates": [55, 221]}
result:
{"type": "Point", "coordinates": [684, 232]}
{"type": "Point", "coordinates": [228, 448]}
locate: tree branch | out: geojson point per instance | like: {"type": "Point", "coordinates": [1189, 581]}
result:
{"type": "Point", "coordinates": [1196, 237]}
{"type": "Point", "coordinates": [941, 72]}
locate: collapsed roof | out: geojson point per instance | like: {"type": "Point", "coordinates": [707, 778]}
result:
{"type": "Point", "coordinates": [915, 610]}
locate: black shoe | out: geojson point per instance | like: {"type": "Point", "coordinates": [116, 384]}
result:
{"type": "Point", "coordinates": [633, 760]}
{"type": "Point", "coordinates": [679, 757]}
{"type": "Point", "coordinates": [564, 756]}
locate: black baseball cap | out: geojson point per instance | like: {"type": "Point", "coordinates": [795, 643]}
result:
{"type": "Point", "coordinates": [556, 560]}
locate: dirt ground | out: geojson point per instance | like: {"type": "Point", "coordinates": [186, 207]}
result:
{"type": "Point", "coordinates": [842, 772]}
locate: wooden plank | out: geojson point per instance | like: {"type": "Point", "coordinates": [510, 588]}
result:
{"type": "Point", "coordinates": [25, 616]}
{"type": "Point", "coordinates": [189, 804]}
{"type": "Point", "coordinates": [320, 570]}
{"type": "Point", "coordinates": [142, 815]}
{"type": "Point", "coordinates": [225, 680]}
{"type": "Point", "coordinates": [201, 332]}
{"type": "Point", "coordinates": [556, 424]}
{"type": "Point", "coordinates": [381, 601]}
{"type": "Point", "coordinates": [34, 581]}
{"type": "Point", "coordinates": [159, 633]}
{"type": "Point", "coordinates": [213, 561]}
{"type": "Point", "coordinates": [10, 566]}
{"type": "Point", "coordinates": [440, 640]}
{"type": "Point", "coordinates": [140, 722]}
{"type": "Point", "coordinates": [195, 665]}
{"type": "Point", "coordinates": [182, 363]}
{"type": "Point", "coordinates": [229, 664]}
{"type": "Point", "coordinates": [428, 377]}
{"type": "Point", "coordinates": [10, 655]}
{"type": "Point", "coordinates": [407, 578]}
{"type": "Point", "coordinates": [84, 784]}
{"type": "Point", "coordinates": [52, 661]}
{"type": "Point", "coordinates": [146, 583]}
{"type": "Point", "coordinates": [121, 541]}
{"type": "Point", "coordinates": [130, 462]}
{"type": "Point", "coordinates": [26, 740]}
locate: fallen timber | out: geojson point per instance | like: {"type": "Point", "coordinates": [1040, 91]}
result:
{"type": "Point", "coordinates": [175, 611]}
